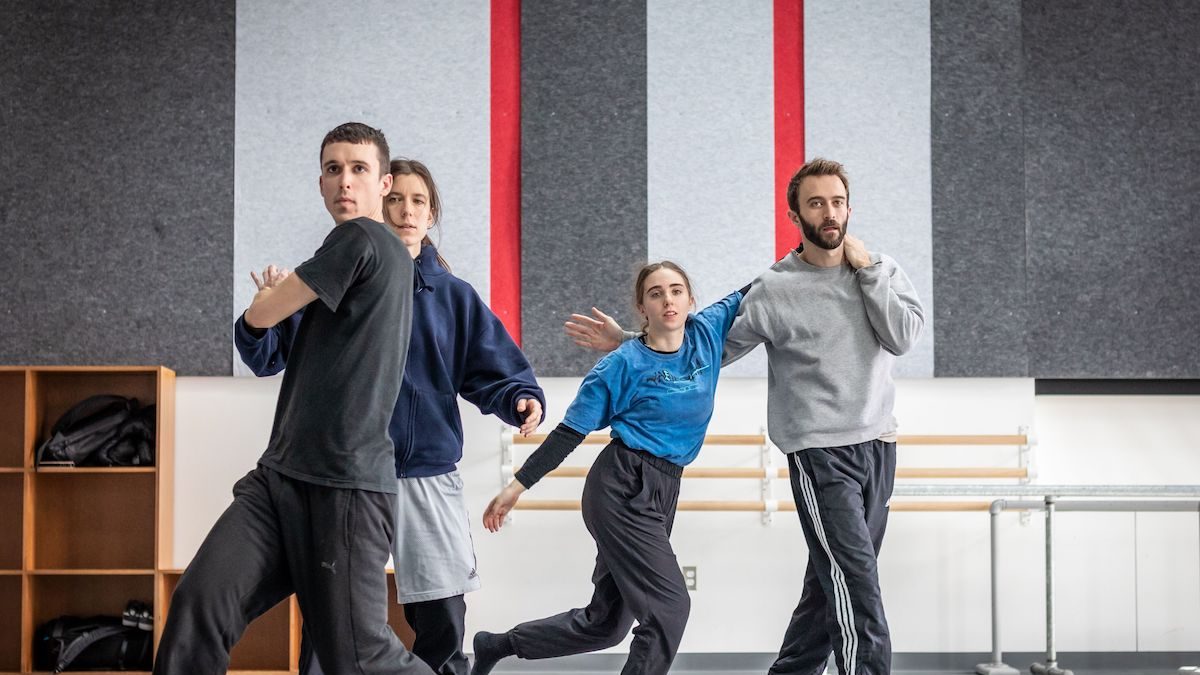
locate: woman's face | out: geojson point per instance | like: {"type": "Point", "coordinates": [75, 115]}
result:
{"type": "Point", "coordinates": [406, 209]}
{"type": "Point", "coordinates": [665, 301]}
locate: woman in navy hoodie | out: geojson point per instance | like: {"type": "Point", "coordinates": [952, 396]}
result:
{"type": "Point", "coordinates": [458, 347]}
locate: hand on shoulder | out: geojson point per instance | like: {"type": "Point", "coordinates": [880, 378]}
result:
{"type": "Point", "coordinates": [855, 252]}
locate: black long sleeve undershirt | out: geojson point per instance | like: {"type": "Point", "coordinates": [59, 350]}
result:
{"type": "Point", "coordinates": [558, 444]}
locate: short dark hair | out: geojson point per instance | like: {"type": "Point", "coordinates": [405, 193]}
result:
{"type": "Point", "coordinates": [357, 132]}
{"type": "Point", "coordinates": [816, 166]}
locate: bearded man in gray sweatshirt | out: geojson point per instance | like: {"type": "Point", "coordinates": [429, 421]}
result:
{"type": "Point", "coordinates": [833, 317]}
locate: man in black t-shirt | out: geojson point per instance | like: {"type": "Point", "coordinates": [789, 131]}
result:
{"type": "Point", "coordinates": [316, 516]}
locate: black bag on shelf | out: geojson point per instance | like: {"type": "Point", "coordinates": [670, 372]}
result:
{"type": "Point", "coordinates": [92, 643]}
{"type": "Point", "coordinates": [103, 430]}
{"type": "Point", "coordinates": [132, 445]}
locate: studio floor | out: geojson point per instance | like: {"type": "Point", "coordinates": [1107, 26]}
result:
{"type": "Point", "coordinates": [1123, 663]}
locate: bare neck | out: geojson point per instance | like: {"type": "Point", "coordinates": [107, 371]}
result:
{"type": "Point", "coordinates": [667, 341]}
{"type": "Point", "coordinates": [820, 257]}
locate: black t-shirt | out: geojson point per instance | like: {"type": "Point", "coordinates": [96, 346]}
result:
{"type": "Point", "coordinates": [347, 362]}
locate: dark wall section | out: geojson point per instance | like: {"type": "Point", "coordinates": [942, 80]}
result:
{"type": "Point", "coordinates": [1128, 387]}
{"type": "Point", "coordinates": [978, 189]}
{"type": "Point", "coordinates": [1112, 150]}
{"type": "Point", "coordinates": [1065, 183]}
{"type": "Point", "coordinates": [116, 200]}
{"type": "Point", "coordinates": [583, 193]}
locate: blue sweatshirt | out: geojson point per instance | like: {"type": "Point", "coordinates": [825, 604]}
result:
{"type": "Point", "coordinates": [656, 402]}
{"type": "Point", "coordinates": [458, 347]}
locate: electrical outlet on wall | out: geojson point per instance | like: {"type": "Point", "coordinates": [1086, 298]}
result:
{"type": "Point", "coordinates": [689, 577]}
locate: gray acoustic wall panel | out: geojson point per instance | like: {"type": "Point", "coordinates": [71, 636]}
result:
{"type": "Point", "coordinates": [978, 189]}
{"type": "Point", "coordinates": [866, 104]}
{"type": "Point", "coordinates": [116, 208]}
{"type": "Point", "coordinates": [1113, 188]}
{"type": "Point", "coordinates": [303, 68]}
{"type": "Point", "coordinates": [710, 151]}
{"type": "Point", "coordinates": [583, 169]}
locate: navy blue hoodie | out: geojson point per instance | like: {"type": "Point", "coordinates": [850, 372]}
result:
{"type": "Point", "coordinates": [458, 347]}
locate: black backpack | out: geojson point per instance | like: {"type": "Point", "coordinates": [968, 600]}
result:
{"type": "Point", "coordinates": [93, 643]}
{"type": "Point", "coordinates": [103, 430]}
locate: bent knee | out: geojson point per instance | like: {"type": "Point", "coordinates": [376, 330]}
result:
{"type": "Point", "coordinates": [672, 616]}
{"type": "Point", "coordinates": [188, 597]}
{"type": "Point", "coordinates": [615, 635]}
{"type": "Point", "coordinates": [612, 630]}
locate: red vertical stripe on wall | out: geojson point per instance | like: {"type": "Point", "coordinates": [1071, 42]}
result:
{"type": "Point", "coordinates": [506, 164]}
{"type": "Point", "coordinates": [789, 113]}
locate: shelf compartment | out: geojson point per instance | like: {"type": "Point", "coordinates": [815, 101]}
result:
{"type": "Point", "coordinates": [55, 595]}
{"type": "Point", "coordinates": [266, 644]}
{"type": "Point", "coordinates": [10, 622]}
{"type": "Point", "coordinates": [12, 520]}
{"type": "Point", "coordinates": [12, 418]}
{"type": "Point", "coordinates": [93, 520]}
{"type": "Point", "coordinates": [55, 391]}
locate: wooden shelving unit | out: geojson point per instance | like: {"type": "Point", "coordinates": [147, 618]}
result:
{"type": "Point", "coordinates": [85, 541]}
{"type": "Point", "coordinates": [80, 541]}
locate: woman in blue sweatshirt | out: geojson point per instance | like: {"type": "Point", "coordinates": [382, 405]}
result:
{"type": "Point", "coordinates": [657, 395]}
{"type": "Point", "coordinates": [458, 347]}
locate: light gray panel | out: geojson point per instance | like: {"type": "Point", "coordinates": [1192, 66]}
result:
{"type": "Point", "coordinates": [979, 190]}
{"type": "Point", "coordinates": [1113, 188]}
{"type": "Point", "coordinates": [867, 91]}
{"type": "Point", "coordinates": [710, 145]}
{"type": "Point", "coordinates": [418, 72]}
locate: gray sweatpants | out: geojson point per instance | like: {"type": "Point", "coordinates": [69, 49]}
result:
{"type": "Point", "coordinates": [629, 502]}
{"type": "Point", "coordinates": [842, 497]}
{"type": "Point", "coordinates": [280, 535]}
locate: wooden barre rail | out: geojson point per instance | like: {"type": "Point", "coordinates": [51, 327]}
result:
{"type": "Point", "coordinates": [766, 505]}
{"type": "Point", "coordinates": [603, 439]}
{"type": "Point", "coordinates": [782, 472]}
{"type": "Point", "coordinates": [760, 439]}
{"type": "Point", "coordinates": [757, 506]}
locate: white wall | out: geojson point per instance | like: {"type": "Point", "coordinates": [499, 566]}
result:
{"type": "Point", "coordinates": [1126, 582]}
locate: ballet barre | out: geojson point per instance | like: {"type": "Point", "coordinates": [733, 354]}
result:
{"type": "Point", "coordinates": [782, 472]}
{"type": "Point", "coordinates": [754, 506]}
{"type": "Point", "coordinates": [1017, 439]}
{"type": "Point", "coordinates": [767, 471]}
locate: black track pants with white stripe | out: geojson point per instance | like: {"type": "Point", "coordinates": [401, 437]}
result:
{"type": "Point", "coordinates": [842, 497]}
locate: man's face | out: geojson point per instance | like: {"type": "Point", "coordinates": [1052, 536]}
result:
{"type": "Point", "coordinates": [351, 182]}
{"type": "Point", "coordinates": [824, 211]}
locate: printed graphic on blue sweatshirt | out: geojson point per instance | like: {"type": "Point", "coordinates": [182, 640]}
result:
{"type": "Point", "coordinates": [685, 382]}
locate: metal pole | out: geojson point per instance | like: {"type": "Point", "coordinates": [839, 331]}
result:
{"type": "Point", "coordinates": [1051, 655]}
{"type": "Point", "coordinates": [1039, 491]}
{"type": "Point", "coordinates": [995, 517]}
{"type": "Point", "coordinates": [1051, 665]}
{"type": "Point", "coordinates": [997, 666]}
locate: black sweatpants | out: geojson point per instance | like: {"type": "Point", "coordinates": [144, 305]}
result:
{"type": "Point", "coordinates": [327, 545]}
{"type": "Point", "coordinates": [629, 502]}
{"type": "Point", "coordinates": [842, 497]}
{"type": "Point", "coordinates": [439, 627]}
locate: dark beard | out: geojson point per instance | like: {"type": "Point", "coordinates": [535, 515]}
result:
{"type": "Point", "coordinates": [812, 234]}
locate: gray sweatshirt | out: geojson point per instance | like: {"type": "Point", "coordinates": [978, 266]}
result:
{"type": "Point", "coordinates": [831, 335]}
